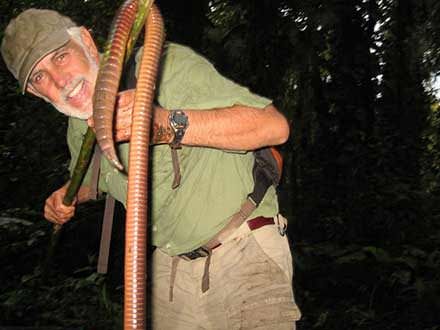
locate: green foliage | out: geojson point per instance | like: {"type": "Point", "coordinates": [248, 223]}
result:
{"type": "Point", "coordinates": [72, 295]}
{"type": "Point", "coordinates": [373, 287]}
{"type": "Point", "coordinates": [431, 165]}
{"type": "Point", "coordinates": [29, 154]}
{"type": "Point", "coordinates": [69, 302]}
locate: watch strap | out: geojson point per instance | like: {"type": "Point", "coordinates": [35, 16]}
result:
{"type": "Point", "coordinates": [179, 123]}
{"type": "Point", "coordinates": [178, 137]}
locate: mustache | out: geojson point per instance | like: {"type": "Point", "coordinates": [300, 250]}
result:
{"type": "Point", "coordinates": [71, 86]}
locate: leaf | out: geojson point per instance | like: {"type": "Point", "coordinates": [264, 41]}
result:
{"type": "Point", "coordinates": [6, 221]}
{"type": "Point", "coordinates": [402, 277]}
{"type": "Point", "coordinates": [35, 237]}
{"type": "Point", "coordinates": [434, 259]}
{"type": "Point", "coordinates": [321, 320]}
{"type": "Point", "coordinates": [352, 257]}
{"type": "Point", "coordinates": [379, 254]}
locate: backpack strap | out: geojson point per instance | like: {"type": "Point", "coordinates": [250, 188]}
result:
{"type": "Point", "coordinates": [106, 234]}
{"type": "Point", "coordinates": [266, 172]}
{"type": "Point", "coordinates": [107, 221]}
{"type": "Point", "coordinates": [96, 164]}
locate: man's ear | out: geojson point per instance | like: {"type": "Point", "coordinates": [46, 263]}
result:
{"type": "Point", "coordinates": [89, 43]}
{"type": "Point", "coordinates": [30, 89]}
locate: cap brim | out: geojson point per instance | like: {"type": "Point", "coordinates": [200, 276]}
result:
{"type": "Point", "coordinates": [45, 47]}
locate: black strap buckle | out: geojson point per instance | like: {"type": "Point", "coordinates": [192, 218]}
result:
{"type": "Point", "coordinates": [194, 254]}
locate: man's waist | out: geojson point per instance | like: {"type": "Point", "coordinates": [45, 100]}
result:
{"type": "Point", "coordinates": [227, 233]}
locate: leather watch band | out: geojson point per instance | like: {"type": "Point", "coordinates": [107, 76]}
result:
{"type": "Point", "coordinates": [179, 123]}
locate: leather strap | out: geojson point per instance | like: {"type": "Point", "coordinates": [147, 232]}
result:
{"type": "Point", "coordinates": [96, 164]}
{"type": "Point", "coordinates": [106, 234]}
{"type": "Point", "coordinates": [174, 262]}
{"type": "Point", "coordinates": [176, 168]}
{"type": "Point", "coordinates": [205, 278]}
{"type": "Point", "coordinates": [236, 220]}
{"type": "Point", "coordinates": [107, 222]}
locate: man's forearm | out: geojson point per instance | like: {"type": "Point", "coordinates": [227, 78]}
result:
{"type": "Point", "coordinates": [235, 128]}
{"type": "Point", "coordinates": [83, 194]}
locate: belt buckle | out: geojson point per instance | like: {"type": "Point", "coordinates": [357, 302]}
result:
{"type": "Point", "coordinates": [194, 254]}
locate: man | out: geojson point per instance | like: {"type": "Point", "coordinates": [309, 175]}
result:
{"type": "Point", "coordinates": [250, 272]}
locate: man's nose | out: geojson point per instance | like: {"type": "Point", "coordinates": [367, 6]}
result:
{"type": "Point", "coordinates": [60, 79]}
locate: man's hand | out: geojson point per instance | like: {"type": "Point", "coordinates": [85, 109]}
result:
{"type": "Point", "coordinates": [54, 209]}
{"type": "Point", "coordinates": [161, 131]}
{"type": "Point", "coordinates": [124, 109]}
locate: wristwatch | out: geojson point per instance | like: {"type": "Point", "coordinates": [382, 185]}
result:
{"type": "Point", "coordinates": [179, 123]}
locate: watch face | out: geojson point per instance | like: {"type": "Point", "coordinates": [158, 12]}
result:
{"type": "Point", "coordinates": [179, 119]}
{"type": "Point", "coordinates": [178, 122]}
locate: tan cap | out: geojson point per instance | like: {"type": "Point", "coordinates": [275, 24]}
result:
{"type": "Point", "coordinates": [31, 36]}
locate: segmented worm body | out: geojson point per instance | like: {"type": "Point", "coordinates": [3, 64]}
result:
{"type": "Point", "coordinates": [136, 221]}
{"type": "Point", "coordinates": [109, 76]}
{"type": "Point", "coordinates": [136, 228]}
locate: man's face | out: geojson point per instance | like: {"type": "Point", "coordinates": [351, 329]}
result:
{"type": "Point", "coordinates": [66, 78]}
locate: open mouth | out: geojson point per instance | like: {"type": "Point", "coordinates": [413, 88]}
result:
{"type": "Point", "coordinates": [77, 96]}
{"type": "Point", "coordinates": [76, 91]}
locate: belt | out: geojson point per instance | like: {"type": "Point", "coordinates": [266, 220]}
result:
{"type": "Point", "coordinates": [214, 243]}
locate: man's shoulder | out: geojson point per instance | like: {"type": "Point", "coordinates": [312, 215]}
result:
{"type": "Point", "coordinates": [172, 48]}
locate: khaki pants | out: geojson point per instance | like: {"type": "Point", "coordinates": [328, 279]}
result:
{"type": "Point", "coordinates": [250, 286]}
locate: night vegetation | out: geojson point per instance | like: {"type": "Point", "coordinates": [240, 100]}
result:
{"type": "Point", "coordinates": [361, 184]}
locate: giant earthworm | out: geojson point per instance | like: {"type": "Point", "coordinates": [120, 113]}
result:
{"type": "Point", "coordinates": [104, 102]}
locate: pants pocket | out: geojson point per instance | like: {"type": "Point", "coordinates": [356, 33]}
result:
{"type": "Point", "coordinates": [262, 295]}
{"type": "Point", "coordinates": [275, 245]}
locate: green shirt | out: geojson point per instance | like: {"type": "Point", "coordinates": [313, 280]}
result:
{"type": "Point", "coordinates": [214, 182]}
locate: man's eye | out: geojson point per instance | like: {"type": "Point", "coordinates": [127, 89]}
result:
{"type": "Point", "coordinates": [61, 58]}
{"type": "Point", "coordinates": [37, 78]}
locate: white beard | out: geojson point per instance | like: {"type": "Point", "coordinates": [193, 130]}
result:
{"type": "Point", "coordinates": [84, 112]}
{"type": "Point", "coordinates": [73, 112]}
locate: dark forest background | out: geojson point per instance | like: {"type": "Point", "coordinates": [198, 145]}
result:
{"type": "Point", "coordinates": [361, 182]}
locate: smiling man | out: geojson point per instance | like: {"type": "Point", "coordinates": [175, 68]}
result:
{"type": "Point", "coordinates": [244, 281]}
{"type": "Point", "coordinates": [66, 79]}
